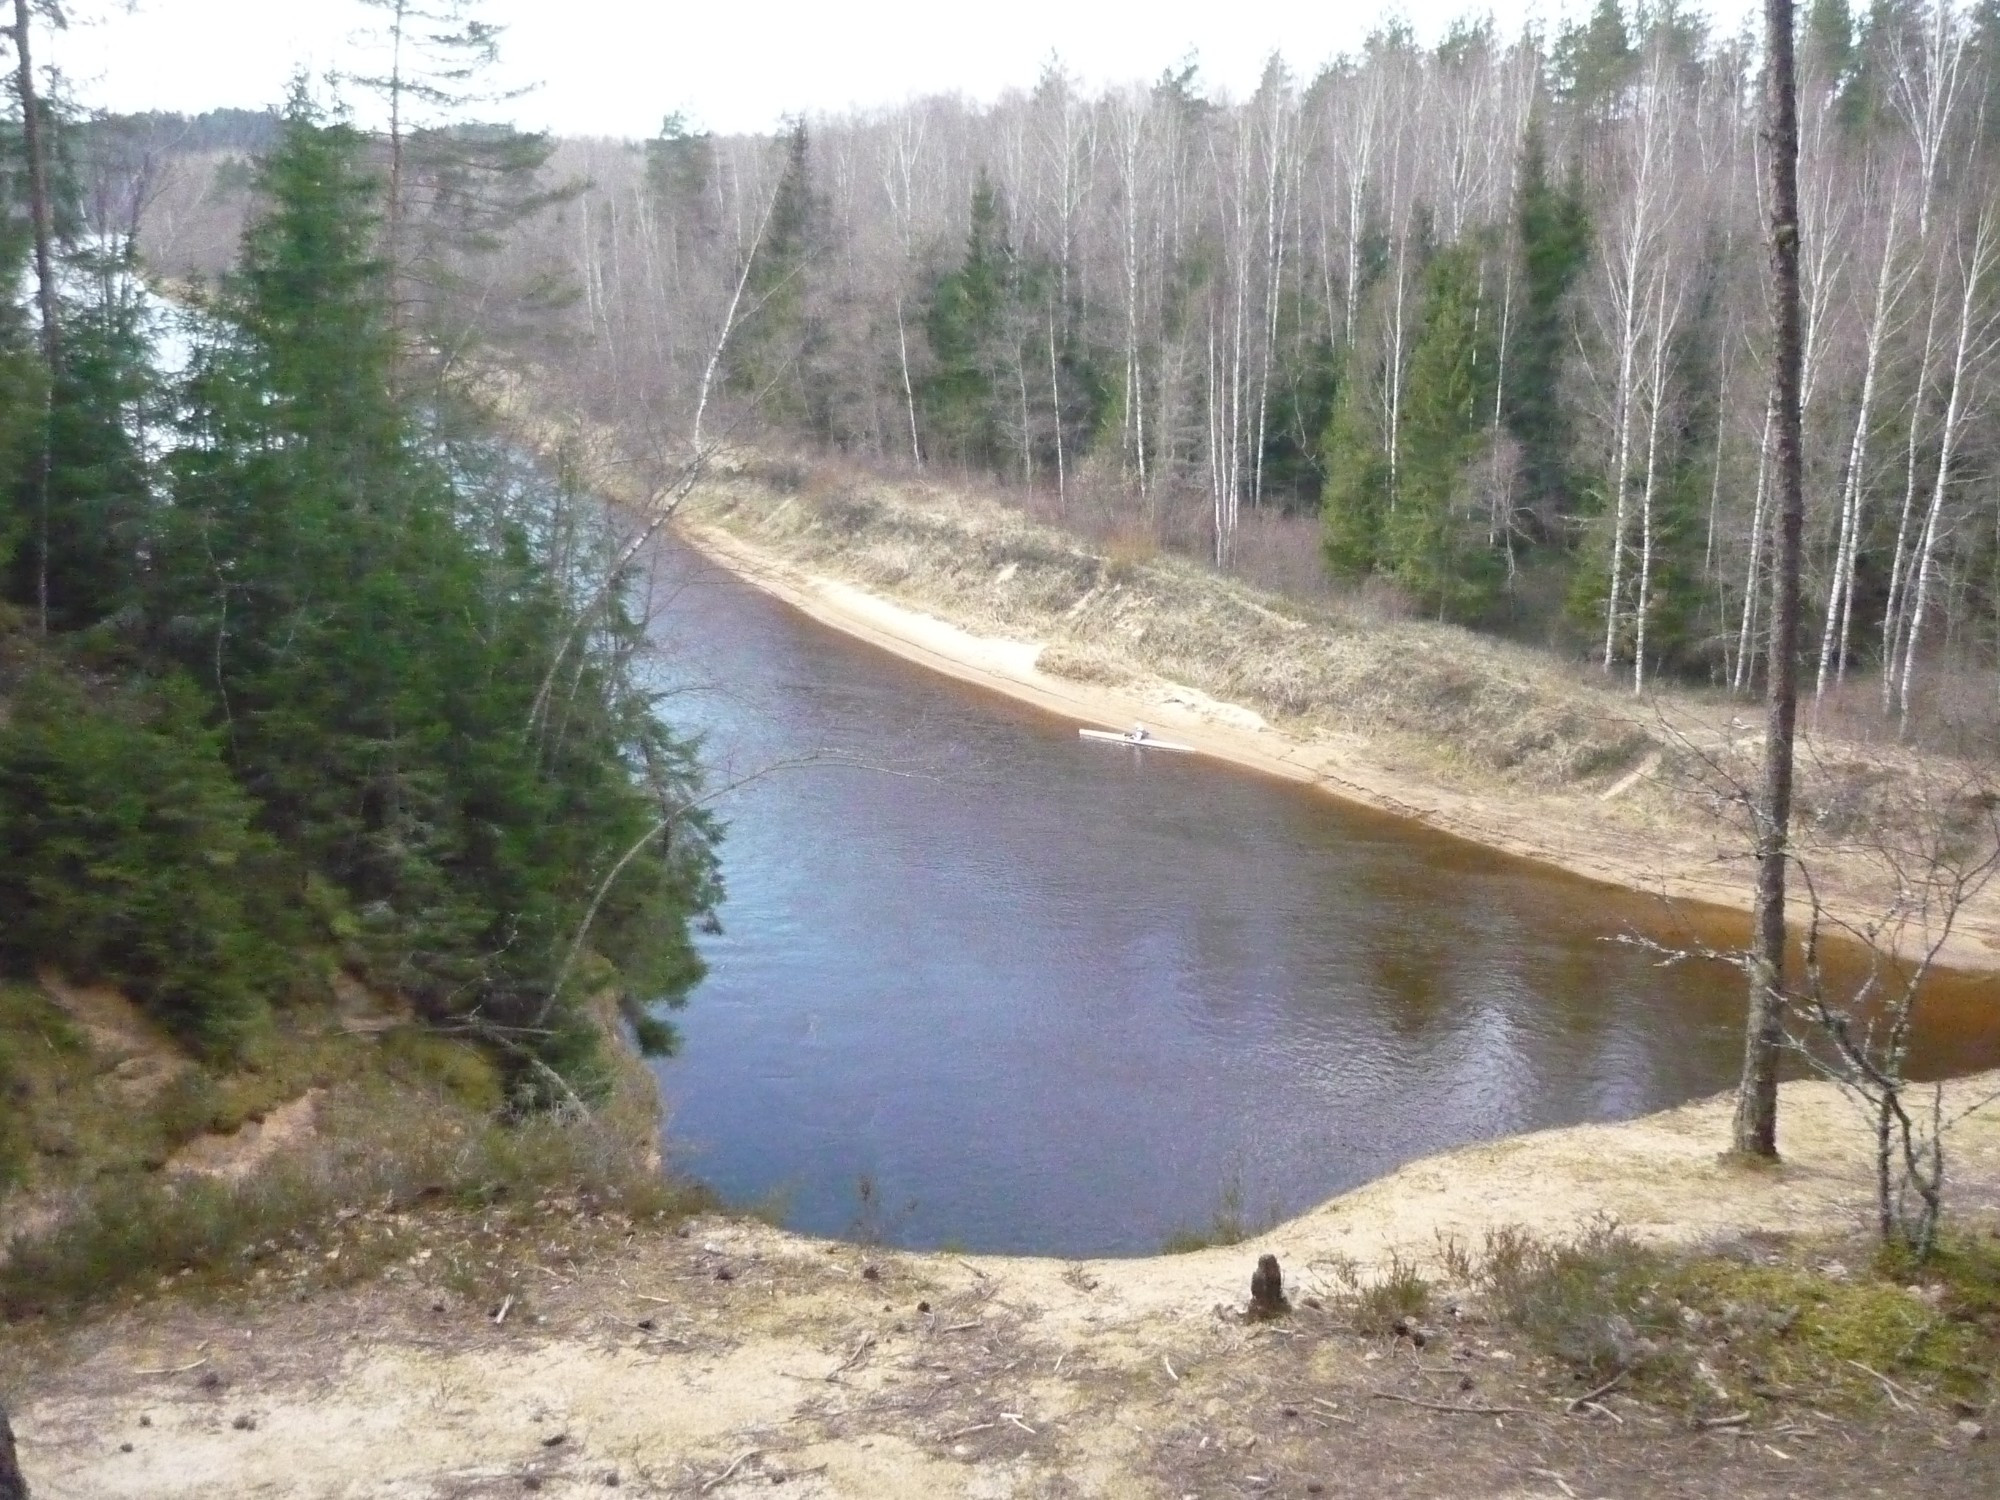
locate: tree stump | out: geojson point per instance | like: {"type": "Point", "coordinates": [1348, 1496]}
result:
{"type": "Point", "coordinates": [1267, 1289]}
{"type": "Point", "coordinates": [12, 1485]}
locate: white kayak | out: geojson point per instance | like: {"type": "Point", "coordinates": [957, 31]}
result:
{"type": "Point", "coordinates": [1148, 743]}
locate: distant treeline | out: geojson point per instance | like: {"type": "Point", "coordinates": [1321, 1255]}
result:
{"type": "Point", "coordinates": [1492, 308]}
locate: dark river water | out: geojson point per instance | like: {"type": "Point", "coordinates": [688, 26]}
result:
{"type": "Point", "coordinates": [985, 985]}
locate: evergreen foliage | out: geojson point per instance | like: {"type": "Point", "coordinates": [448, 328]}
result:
{"type": "Point", "coordinates": [1415, 520]}
{"type": "Point", "coordinates": [319, 618]}
{"type": "Point", "coordinates": [127, 855]}
{"type": "Point", "coordinates": [770, 355]}
{"type": "Point", "coordinates": [1435, 542]}
{"type": "Point", "coordinates": [1554, 237]}
{"type": "Point", "coordinates": [1595, 58]}
{"type": "Point", "coordinates": [967, 325]}
{"type": "Point", "coordinates": [1356, 500]}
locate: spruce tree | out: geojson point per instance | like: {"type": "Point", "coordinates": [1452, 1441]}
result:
{"type": "Point", "coordinates": [1553, 233]}
{"type": "Point", "coordinates": [770, 356]}
{"type": "Point", "coordinates": [1433, 542]}
{"type": "Point", "coordinates": [967, 327]}
{"type": "Point", "coordinates": [1355, 500]}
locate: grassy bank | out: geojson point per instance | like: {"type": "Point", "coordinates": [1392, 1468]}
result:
{"type": "Point", "coordinates": [128, 1165]}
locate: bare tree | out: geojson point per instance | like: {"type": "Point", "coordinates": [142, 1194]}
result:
{"type": "Point", "coordinates": [1938, 846]}
{"type": "Point", "coordinates": [34, 140]}
{"type": "Point", "coordinates": [1756, 1125]}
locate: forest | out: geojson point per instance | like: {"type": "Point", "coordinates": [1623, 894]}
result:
{"type": "Point", "coordinates": [1493, 311]}
{"type": "Point", "coordinates": [305, 672]}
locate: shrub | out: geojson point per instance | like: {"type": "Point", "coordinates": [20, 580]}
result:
{"type": "Point", "coordinates": [1734, 1324]}
{"type": "Point", "coordinates": [127, 856]}
{"type": "Point", "coordinates": [389, 1146]}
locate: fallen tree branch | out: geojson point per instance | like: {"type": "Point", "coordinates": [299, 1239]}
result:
{"type": "Point", "coordinates": [734, 1464]}
{"type": "Point", "coordinates": [1734, 1419]}
{"type": "Point", "coordinates": [1461, 1411]}
{"type": "Point", "coordinates": [1589, 1396]}
{"type": "Point", "coordinates": [175, 1369]}
{"type": "Point", "coordinates": [1889, 1387]}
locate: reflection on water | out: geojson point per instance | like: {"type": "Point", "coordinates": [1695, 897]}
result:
{"type": "Point", "coordinates": [1052, 996]}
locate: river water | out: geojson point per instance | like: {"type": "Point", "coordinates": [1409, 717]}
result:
{"type": "Point", "coordinates": [986, 986]}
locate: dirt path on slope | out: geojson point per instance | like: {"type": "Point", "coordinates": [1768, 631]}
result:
{"type": "Point", "coordinates": [731, 1359]}
{"type": "Point", "coordinates": [1580, 832]}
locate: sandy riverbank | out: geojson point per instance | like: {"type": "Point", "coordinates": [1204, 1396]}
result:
{"type": "Point", "coordinates": [736, 1359]}
{"type": "Point", "coordinates": [1584, 831]}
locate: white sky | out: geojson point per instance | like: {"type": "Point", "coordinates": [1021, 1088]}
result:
{"type": "Point", "coordinates": [615, 67]}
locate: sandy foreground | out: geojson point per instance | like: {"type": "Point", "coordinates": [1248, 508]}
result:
{"type": "Point", "coordinates": [736, 1359]}
{"type": "Point", "coordinates": [1574, 831]}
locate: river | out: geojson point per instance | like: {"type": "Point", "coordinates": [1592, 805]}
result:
{"type": "Point", "coordinates": [983, 985]}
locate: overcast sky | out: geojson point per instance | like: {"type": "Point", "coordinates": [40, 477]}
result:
{"type": "Point", "coordinates": [615, 67]}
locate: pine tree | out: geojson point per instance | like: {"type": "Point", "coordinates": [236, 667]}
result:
{"type": "Point", "coordinates": [771, 356]}
{"type": "Point", "coordinates": [1595, 59]}
{"type": "Point", "coordinates": [375, 662]}
{"type": "Point", "coordinates": [1553, 231]}
{"type": "Point", "coordinates": [967, 327]}
{"type": "Point", "coordinates": [1434, 542]}
{"type": "Point", "coordinates": [1355, 500]}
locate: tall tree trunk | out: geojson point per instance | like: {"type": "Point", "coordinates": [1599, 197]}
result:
{"type": "Point", "coordinates": [1893, 611]}
{"type": "Point", "coordinates": [1656, 400]}
{"type": "Point", "coordinates": [1056, 414]}
{"type": "Point", "coordinates": [1760, 526]}
{"type": "Point", "coordinates": [34, 142]}
{"type": "Point", "coordinates": [42, 218]}
{"type": "Point", "coordinates": [1954, 418]}
{"type": "Point", "coordinates": [392, 224]}
{"type": "Point", "coordinates": [1756, 1126]}
{"type": "Point", "coordinates": [1840, 594]}
{"type": "Point", "coordinates": [909, 388]}
{"type": "Point", "coordinates": [1621, 452]}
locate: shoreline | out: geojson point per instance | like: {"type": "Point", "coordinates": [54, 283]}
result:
{"type": "Point", "coordinates": [1551, 829]}
{"type": "Point", "coordinates": [731, 1340]}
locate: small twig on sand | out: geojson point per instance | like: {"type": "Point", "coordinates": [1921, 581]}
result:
{"type": "Point", "coordinates": [968, 1431]}
{"type": "Point", "coordinates": [960, 1327]}
{"type": "Point", "coordinates": [662, 1301]}
{"type": "Point", "coordinates": [734, 1464]}
{"type": "Point", "coordinates": [1015, 1418]}
{"type": "Point", "coordinates": [505, 1305]}
{"type": "Point", "coordinates": [860, 1349]}
{"type": "Point", "coordinates": [1555, 1479]}
{"type": "Point", "coordinates": [195, 1364]}
{"type": "Point", "coordinates": [1588, 1397]}
{"type": "Point", "coordinates": [1170, 1369]}
{"type": "Point", "coordinates": [1460, 1411]}
{"type": "Point", "coordinates": [1734, 1419]}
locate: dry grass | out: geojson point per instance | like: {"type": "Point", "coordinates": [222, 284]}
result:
{"type": "Point", "coordinates": [400, 1120]}
{"type": "Point", "coordinates": [381, 1148]}
{"type": "Point", "coordinates": [1747, 1325]}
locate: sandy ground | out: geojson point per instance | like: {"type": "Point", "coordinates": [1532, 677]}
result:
{"type": "Point", "coordinates": [1575, 831]}
{"type": "Point", "coordinates": [731, 1359]}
